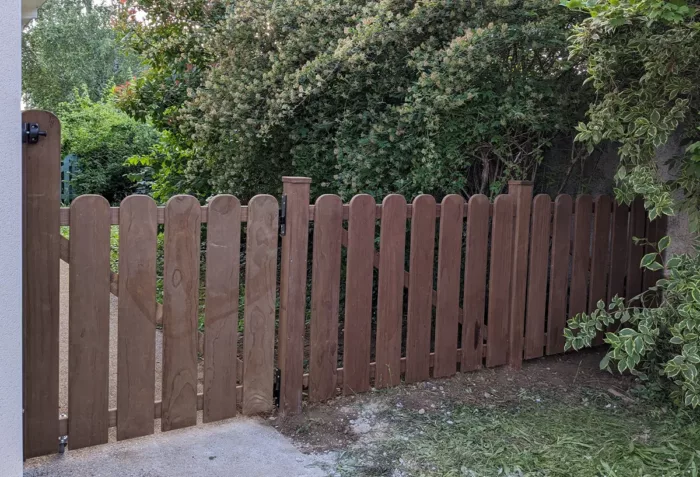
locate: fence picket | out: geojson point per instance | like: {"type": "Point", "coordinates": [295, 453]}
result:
{"type": "Point", "coordinates": [637, 228]}
{"type": "Point", "coordinates": [449, 265]}
{"type": "Point", "coordinates": [655, 230]}
{"type": "Point", "coordinates": [559, 274]}
{"type": "Point", "coordinates": [600, 255]}
{"type": "Point", "coordinates": [260, 294]}
{"type": "Point", "coordinates": [420, 289]}
{"type": "Point", "coordinates": [325, 296]}
{"type": "Point", "coordinates": [537, 276]}
{"type": "Point", "coordinates": [392, 250]}
{"type": "Point", "coordinates": [476, 260]}
{"type": "Point", "coordinates": [180, 307]}
{"type": "Point", "coordinates": [293, 262]}
{"type": "Point", "coordinates": [40, 285]}
{"type": "Point", "coordinates": [221, 307]}
{"type": "Point", "coordinates": [88, 335]}
{"type": "Point", "coordinates": [358, 294]}
{"type": "Point", "coordinates": [581, 255]}
{"type": "Point", "coordinates": [499, 283]}
{"type": "Point", "coordinates": [619, 251]}
{"type": "Point", "coordinates": [136, 355]}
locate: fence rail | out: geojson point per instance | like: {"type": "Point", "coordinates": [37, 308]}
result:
{"type": "Point", "coordinates": [398, 292]}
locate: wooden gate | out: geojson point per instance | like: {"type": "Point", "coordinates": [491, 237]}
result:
{"type": "Point", "coordinates": [398, 292]}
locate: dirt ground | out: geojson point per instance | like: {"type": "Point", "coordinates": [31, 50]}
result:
{"type": "Point", "coordinates": [345, 421]}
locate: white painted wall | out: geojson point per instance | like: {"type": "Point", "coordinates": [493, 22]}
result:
{"type": "Point", "coordinates": [10, 241]}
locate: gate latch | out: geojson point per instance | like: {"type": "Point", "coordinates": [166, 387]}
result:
{"type": "Point", "coordinates": [31, 133]}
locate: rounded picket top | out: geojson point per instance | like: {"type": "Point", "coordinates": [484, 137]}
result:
{"type": "Point", "coordinates": [93, 200]}
{"type": "Point", "coordinates": [328, 200]}
{"type": "Point", "coordinates": [138, 201]}
{"type": "Point", "coordinates": [394, 200]}
{"type": "Point", "coordinates": [540, 200]}
{"type": "Point", "coordinates": [223, 204]}
{"type": "Point", "coordinates": [423, 200]}
{"type": "Point", "coordinates": [564, 200]}
{"type": "Point", "coordinates": [452, 203]}
{"type": "Point", "coordinates": [362, 201]}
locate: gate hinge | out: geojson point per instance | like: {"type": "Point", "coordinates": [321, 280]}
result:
{"type": "Point", "coordinates": [283, 216]}
{"type": "Point", "coordinates": [31, 133]}
{"type": "Point", "coordinates": [276, 387]}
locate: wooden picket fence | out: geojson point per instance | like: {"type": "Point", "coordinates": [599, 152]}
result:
{"type": "Point", "coordinates": [484, 284]}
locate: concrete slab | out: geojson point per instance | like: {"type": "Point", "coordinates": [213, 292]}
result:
{"type": "Point", "coordinates": [238, 447]}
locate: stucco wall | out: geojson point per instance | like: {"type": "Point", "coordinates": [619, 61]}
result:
{"type": "Point", "coordinates": [10, 243]}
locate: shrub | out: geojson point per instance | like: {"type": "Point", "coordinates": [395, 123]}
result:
{"type": "Point", "coordinates": [103, 138]}
{"type": "Point", "coordinates": [661, 343]}
{"type": "Point", "coordinates": [375, 96]}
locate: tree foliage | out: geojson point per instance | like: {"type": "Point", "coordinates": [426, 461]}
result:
{"type": "Point", "coordinates": [103, 138]}
{"type": "Point", "coordinates": [70, 47]}
{"type": "Point", "coordinates": [376, 96]}
{"type": "Point", "coordinates": [642, 58]}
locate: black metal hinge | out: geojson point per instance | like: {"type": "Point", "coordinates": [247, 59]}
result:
{"type": "Point", "coordinates": [277, 386]}
{"type": "Point", "coordinates": [31, 133]}
{"type": "Point", "coordinates": [283, 216]}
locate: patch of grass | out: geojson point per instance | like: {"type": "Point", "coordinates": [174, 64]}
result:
{"type": "Point", "coordinates": [544, 440]}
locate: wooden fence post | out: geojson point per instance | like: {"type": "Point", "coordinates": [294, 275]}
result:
{"type": "Point", "coordinates": [295, 243]}
{"type": "Point", "coordinates": [522, 193]}
{"type": "Point", "coordinates": [41, 188]}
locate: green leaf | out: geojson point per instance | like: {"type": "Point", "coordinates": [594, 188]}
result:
{"type": "Point", "coordinates": [673, 262]}
{"type": "Point", "coordinates": [690, 372]}
{"type": "Point", "coordinates": [655, 117]}
{"type": "Point", "coordinates": [622, 365]}
{"type": "Point", "coordinates": [648, 259]}
{"type": "Point", "coordinates": [696, 295]}
{"type": "Point", "coordinates": [605, 362]}
{"type": "Point", "coordinates": [627, 332]}
{"type": "Point", "coordinates": [664, 243]}
{"type": "Point", "coordinates": [676, 340]}
{"type": "Point", "coordinates": [654, 266]}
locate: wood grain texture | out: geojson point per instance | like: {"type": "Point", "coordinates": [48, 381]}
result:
{"type": "Point", "coordinates": [41, 179]}
{"type": "Point", "coordinates": [448, 278]}
{"type": "Point", "coordinates": [420, 289]}
{"type": "Point", "coordinates": [559, 274]}
{"type": "Point", "coordinates": [476, 261]}
{"type": "Point", "coordinates": [392, 253]}
{"type": "Point", "coordinates": [637, 228]}
{"type": "Point", "coordinates": [325, 297]}
{"type": "Point", "coordinates": [655, 230]}
{"type": "Point", "coordinates": [136, 353]}
{"type": "Point", "coordinates": [260, 294]}
{"type": "Point", "coordinates": [537, 276]}
{"type": "Point", "coordinates": [578, 294]}
{"type": "Point", "coordinates": [221, 307]}
{"type": "Point", "coordinates": [619, 251]}
{"type": "Point", "coordinates": [521, 191]}
{"type": "Point", "coordinates": [180, 307]}
{"type": "Point", "coordinates": [499, 281]}
{"type": "Point", "coordinates": [293, 293]}
{"type": "Point", "coordinates": [88, 335]}
{"type": "Point", "coordinates": [600, 256]}
{"type": "Point", "coordinates": [358, 294]}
